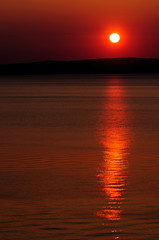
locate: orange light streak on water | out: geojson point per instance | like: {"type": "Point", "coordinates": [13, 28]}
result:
{"type": "Point", "coordinates": [115, 140]}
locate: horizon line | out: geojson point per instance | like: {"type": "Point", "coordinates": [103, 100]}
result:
{"type": "Point", "coordinates": [80, 60]}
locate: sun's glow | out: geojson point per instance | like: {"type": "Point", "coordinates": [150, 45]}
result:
{"type": "Point", "coordinates": [114, 37]}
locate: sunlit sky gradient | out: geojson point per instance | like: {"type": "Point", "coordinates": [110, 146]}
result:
{"type": "Point", "coordinates": [33, 30]}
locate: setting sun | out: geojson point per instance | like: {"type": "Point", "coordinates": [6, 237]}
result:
{"type": "Point", "coordinates": [114, 37]}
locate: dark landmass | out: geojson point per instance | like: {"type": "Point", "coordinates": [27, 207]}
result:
{"type": "Point", "coordinates": [94, 66]}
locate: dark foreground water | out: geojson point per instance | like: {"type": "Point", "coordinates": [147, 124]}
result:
{"type": "Point", "coordinates": [79, 158]}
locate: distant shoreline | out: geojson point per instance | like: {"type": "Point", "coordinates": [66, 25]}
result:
{"type": "Point", "coordinates": [94, 66]}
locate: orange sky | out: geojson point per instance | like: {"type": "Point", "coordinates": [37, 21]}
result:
{"type": "Point", "coordinates": [68, 29]}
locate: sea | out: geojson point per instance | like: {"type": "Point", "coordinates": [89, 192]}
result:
{"type": "Point", "coordinates": [79, 157]}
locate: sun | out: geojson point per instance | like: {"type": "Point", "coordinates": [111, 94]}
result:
{"type": "Point", "coordinates": [114, 37]}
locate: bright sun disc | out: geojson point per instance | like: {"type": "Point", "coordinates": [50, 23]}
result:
{"type": "Point", "coordinates": [114, 37]}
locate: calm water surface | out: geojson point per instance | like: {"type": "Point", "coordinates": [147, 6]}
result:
{"type": "Point", "coordinates": [79, 157]}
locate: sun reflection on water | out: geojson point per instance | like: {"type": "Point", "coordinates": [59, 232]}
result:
{"type": "Point", "coordinates": [114, 135]}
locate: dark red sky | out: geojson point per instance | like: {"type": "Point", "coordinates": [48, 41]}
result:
{"type": "Point", "coordinates": [32, 30]}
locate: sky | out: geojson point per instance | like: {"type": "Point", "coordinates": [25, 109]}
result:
{"type": "Point", "coordinates": [36, 30]}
